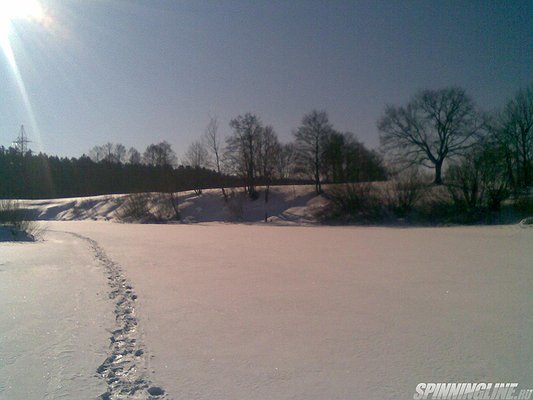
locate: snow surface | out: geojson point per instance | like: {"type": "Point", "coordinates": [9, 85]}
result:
{"type": "Point", "coordinates": [258, 311]}
{"type": "Point", "coordinates": [232, 311]}
{"type": "Point", "coordinates": [54, 314]}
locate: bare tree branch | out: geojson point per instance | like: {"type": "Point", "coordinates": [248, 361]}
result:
{"type": "Point", "coordinates": [436, 125]}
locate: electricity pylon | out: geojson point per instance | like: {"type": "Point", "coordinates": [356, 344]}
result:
{"type": "Point", "coordinates": [21, 143]}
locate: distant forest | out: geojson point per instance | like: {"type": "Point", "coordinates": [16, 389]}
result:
{"type": "Point", "coordinates": [41, 176]}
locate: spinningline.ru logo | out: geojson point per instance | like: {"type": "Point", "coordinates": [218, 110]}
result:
{"type": "Point", "coordinates": [474, 391]}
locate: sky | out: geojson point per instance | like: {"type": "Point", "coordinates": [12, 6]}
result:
{"type": "Point", "coordinates": [87, 72]}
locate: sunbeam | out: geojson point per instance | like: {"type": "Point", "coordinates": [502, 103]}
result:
{"type": "Point", "coordinates": [10, 11]}
{"type": "Point", "coordinates": [10, 56]}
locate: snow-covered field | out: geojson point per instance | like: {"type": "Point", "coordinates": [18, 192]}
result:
{"type": "Point", "coordinates": [233, 311]}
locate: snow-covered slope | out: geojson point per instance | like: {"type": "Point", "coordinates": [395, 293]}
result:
{"type": "Point", "coordinates": [285, 204]}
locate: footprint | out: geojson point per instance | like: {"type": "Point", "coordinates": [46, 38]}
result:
{"type": "Point", "coordinates": [156, 391]}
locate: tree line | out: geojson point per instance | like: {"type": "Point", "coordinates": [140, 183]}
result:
{"type": "Point", "coordinates": [439, 129]}
{"type": "Point", "coordinates": [250, 156]}
{"type": "Point", "coordinates": [42, 176]}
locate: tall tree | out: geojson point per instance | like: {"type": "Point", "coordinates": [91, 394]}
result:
{"type": "Point", "coordinates": [286, 160]}
{"type": "Point", "coordinates": [120, 153]}
{"type": "Point", "coordinates": [197, 155]}
{"type": "Point", "coordinates": [162, 157]}
{"type": "Point", "coordinates": [334, 156]}
{"type": "Point", "coordinates": [214, 146]}
{"type": "Point", "coordinates": [109, 152]}
{"type": "Point", "coordinates": [97, 153]}
{"type": "Point", "coordinates": [269, 149]}
{"type": "Point", "coordinates": [434, 126]}
{"type": "Point", "coordinates": [242, 149]}
{"type": "Point", "coordinates": [159, 155]}
{"type": "Point", "coordinates": [345, 159]}
{"type": "Point", "coordinates": [310, 141]}
{"type": "Point", "coordinates": [134, 157]}
{"type": "Point", "coordinates": [515, 131]}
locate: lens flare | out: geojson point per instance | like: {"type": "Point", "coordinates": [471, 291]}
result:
{"type": "Point", "coordinates": [10, 12]}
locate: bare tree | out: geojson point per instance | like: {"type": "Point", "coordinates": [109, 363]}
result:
{"type": "Point", "coordinates": [160, 154]}
{"type": "Point", "coordinates": [120, 153]}
{"type": "Point", "coordinates": [150, 155]}
{"type": "Point", "coordinates": [346, 159]}
{"type": "Point", "coordinates": [214, 146]}
{"type": "Point", "coordinates": [269, 150]}
{"type": "Point", "coordinates": [310, 140]}
{"type": "Point", "coordinates": [334, 156]}
{"type": "Point", "coordinates": [97, 153]}
{"type": "Point", "coordinates": [109, 152]}
{"type": "Point", "coordinates": [285, 160]}
{"type": "Point", "coordinates": [434, 126]}
{"type": "Point", "coordinates": [242, 149]}
{"type": "Point", "coordinates": [515, 131]}
{"type": "Point", "coordinates": [163, 157]}
{"type": "Point", "coordinates": [197, 155]}
{"type": "Point", "coordinates": [134, 157]}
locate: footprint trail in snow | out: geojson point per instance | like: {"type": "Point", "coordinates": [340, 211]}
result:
{"type": "Point", "coordinates": [124, 370]}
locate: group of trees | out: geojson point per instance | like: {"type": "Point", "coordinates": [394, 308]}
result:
{"type": "Point", "coordinates": [444, 125]}
{"type": "Point", "coordinates": [488, 156]}
{"type": "Point", "coordinates": [332, 156]}
{"type": "Point", "coordinates": [156, 155]}
{"type": "Point", "coordinates": [254, 153]}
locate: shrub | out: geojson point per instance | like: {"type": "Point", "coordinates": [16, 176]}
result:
{"type": "Point", "coordinates": [478, 185]}
{"type": "Point", "coordinates": [465, 187]}
{"type": "Point", "coordinates": [358, 202]}
{"type": "Point", "coordinates": [20, 221]}
{"type": "Point", "coordinates": [165, 207]}
{"type": "Point", "coordinates": [135, 208]}
{"type": "Point", "coordinates": [404, 191]}
{"type": "Point", "coordinates": [235, 206]}
{"type": "Point", "coordinates": [435, 206]}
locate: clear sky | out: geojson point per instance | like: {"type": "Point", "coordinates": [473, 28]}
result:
{"type": "Point", "coordinates": [138, 72]}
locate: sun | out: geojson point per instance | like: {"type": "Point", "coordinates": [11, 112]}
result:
{"type": "Point", "coordinates": [12, 10]}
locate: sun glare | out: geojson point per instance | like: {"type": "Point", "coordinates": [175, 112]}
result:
{"type": "Point", "coordinates": [11, 10]}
